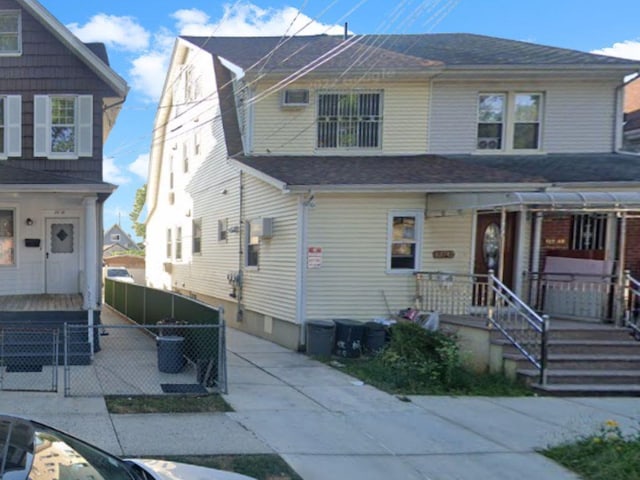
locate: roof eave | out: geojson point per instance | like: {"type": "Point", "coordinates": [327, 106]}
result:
{"type": "Point", "coordinates": [58, 188]}
{"type": "Point", "coordinates": [419, 188]}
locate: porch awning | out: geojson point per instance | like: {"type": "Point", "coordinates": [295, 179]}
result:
{"type": "Point", "coordinates": [440, 203]}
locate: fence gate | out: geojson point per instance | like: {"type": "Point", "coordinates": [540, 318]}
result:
{"type": "Point", "coordinates": [146, 360]}
{"type": "Point", "coordinates": [29, 359]}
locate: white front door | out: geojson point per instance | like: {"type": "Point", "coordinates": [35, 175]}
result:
{"type": "Point", "coordinates": [62, 263]}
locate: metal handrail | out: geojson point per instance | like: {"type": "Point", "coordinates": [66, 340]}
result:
{"type": "Point", "coordinates": [632, 303]}
{"type": "Point", "coordinates": [507, 307]}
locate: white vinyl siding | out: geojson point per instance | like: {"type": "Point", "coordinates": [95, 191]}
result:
{"type": "Point", "coordinates": [578, 116]}
{"type": "Point", "coordinates": [453, 233]}
{"type": "Point", "coordinates": [11, 126]}
{"type": "Point", "coordinates": [293, 131]}
{"type": "Point", "coordinates": [81, 127]}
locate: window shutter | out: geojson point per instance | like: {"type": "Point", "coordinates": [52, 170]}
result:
{"type": "Point", "coordinates": [85, 126]}
{"type": "Point", "coordinates": [40, 130]}
{"type": "Point", "coordinates": [14, 126]}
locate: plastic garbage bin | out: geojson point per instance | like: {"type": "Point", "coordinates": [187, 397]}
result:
{"type": "Point", "coordinates": [374, 337]}
{"type": "Point", "coordinates": [320, 337]}
{"type": "Point", "coordinates": [349, 336]}
{"type": "Point", "coordinates": [170, 353]}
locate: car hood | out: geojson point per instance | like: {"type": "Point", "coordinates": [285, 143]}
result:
{"type": "Point", "coordinates": [166, 470]}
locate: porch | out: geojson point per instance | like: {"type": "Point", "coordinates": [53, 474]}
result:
{"type": "Point", "coordinates": [558, 347]}
{"type": "Point", "coordinates": [41, 303]}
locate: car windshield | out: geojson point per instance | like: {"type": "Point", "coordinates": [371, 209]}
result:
{"type": "Point", "coordinates": [117, 272]}
{"type": "Point", "coordinates": [35, 451]}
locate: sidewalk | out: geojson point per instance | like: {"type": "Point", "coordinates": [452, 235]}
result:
{"type": "Point", "coordinates": [326, 425]}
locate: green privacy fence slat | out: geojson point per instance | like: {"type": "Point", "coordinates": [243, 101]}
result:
{"type": "Point", "coordinates": [135, 303]}
{"type": "Point", "coordinates": [158, 305]}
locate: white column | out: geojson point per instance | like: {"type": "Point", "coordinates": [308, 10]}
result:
{"type": "Point", "coordinates": [90, 290]}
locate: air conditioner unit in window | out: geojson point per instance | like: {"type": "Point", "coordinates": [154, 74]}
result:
{"type": "Point", "coordinates": [488, 143]}
{"type": "Point", "coordinates": [295, 98]}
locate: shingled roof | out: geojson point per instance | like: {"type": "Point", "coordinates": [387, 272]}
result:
{"type": "Point", "coordinates": [401, 52]}
{"type": "Point", "coordinates": [300, 172]}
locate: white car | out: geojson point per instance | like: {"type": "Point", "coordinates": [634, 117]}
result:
{"type": "Point", "coordinates": [119, 273]}
{"type": "Point", "coordinates": [35, 451]}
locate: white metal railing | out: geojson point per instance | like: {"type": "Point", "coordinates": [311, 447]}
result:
{"type": "Point", "coordinates": [631, 302]}
{"type": "Point", "coordinates": [572, 295]}
{"type": "Point", "coordinates": [485, 295]}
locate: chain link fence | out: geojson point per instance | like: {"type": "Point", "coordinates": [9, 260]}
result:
{"type": "Point", "coordinates": [147, 360]}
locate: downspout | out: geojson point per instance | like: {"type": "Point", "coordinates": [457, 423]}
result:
{"type": "Point", "coordinates": [619, 308]}
{"type": "Point", "coordinates": [503, 242]}
{"type": "Point", "coordinates": [241, 233]}
{"type": "Point", "coordinates": [303, 208]}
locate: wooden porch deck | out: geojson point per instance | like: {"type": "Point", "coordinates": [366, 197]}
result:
{"type": "Point", "coordinates": [40, 303]}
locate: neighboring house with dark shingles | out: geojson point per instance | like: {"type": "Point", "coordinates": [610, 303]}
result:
{"type": "Point", "coordinates": [311, 177]}
{"type": "Point", "coordinates": [632, 116]}
{"type": "Point", "coordinates": [59, 100]}
{"type": "Point", "coordinates": [117, 240]}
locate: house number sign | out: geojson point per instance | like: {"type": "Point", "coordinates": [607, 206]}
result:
{"type": "Point", "coordinates": [440, 254]}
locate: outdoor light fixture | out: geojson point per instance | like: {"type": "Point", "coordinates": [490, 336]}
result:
{"type": "Point", "coordinates": [29, 222]}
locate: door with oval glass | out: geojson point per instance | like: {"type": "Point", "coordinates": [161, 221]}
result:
{"type": "Point", "coordinates": [62, 260]}
{"type": "Point", "coordinates": [489, 251]}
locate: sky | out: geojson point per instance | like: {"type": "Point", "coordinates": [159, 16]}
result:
{"type": "Point", "coordinates": [140, 34]}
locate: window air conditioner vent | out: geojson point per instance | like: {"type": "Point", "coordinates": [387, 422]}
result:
{"type": "Point", "coordinates": [488, 143]}
{"type": "Point", "coordinates": [295, 98]}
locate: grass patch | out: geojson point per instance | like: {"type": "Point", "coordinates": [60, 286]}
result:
{"type": "Point", "coordinates": [605, 455]}
{"type": "Point", "coordinates": [167, 404]}
{"type": "Point", "coordinates": [262, 467]}
{"type": "Point", "coordinates": [421, 362]}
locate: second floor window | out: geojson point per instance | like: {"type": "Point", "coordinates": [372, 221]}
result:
{"type": "Point", "coordinates": [63, 126]}
{"type": "Point", "coordinates": [349, 120]}
{"type": "Point", "coordinates": [10, 41]}
{"type": "Point", "coordinates": [196, 246]}
{"type": "Point", "coordinates": [169, 244]}
{"type": "Point", "coordinates": [179, 243]}
{"type": "Point", "coordinates": [509, 121]}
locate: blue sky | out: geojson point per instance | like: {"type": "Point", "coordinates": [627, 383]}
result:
{"type": "Point", "coordinates": [139, 35]}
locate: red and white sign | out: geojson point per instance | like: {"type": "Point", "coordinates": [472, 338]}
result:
{"type": "Point", "coordinates": [314, 257]}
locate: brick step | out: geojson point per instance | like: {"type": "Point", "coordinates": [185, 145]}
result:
{"type": "Point", "coordinates": [588, 390]}
{"type": "Point", "coordinates": [594, 347]}
{"type": "Point", "coordinates": [582, 361]}
{"type": "Point", "coordinates": [594, 333]}
{"type": "Point", "coordinates": [581, 377]}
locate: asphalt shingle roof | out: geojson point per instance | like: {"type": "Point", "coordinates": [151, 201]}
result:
{"type": "Point", "coordinates": [435, 169]}
{"type": "Point", "coordinates": [11, 175]}
{"type": "Point", "coordinates": [402, 52]}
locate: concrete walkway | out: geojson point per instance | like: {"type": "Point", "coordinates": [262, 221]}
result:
{"type": "Point", "coordinates": [327, 425]}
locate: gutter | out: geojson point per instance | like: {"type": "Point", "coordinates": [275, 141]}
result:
{"type": "Point", "coordinates": [58, 188]}
{"type": "Point", "coordinates": [420, 188]}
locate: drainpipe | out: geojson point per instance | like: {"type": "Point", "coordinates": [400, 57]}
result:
{"type": "Point", "coordinates": [241, 234]}
{"type": "Point", "coordinates": [503, 237]}
{"type": "Point", "coordinates": [619, 308]}
{"type": "Point", "coordinates": [534, 275]}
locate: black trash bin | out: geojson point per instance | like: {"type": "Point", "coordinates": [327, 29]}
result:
{"type": "Point", "coordinates": [320, 337]}
{"type": "Point", "coordinates": [349, 337]}
{"type": "Point", "coordinates": [375, 337]}
{"type": "Point", "coordinates": [170, 353]}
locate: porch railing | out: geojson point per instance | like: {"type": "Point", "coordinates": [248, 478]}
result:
{"type": "Point", "coordinates": [572, 295]}
{"type": "Point", "coordinates": [486, 296]}
{"type": "Point", "coordinates": [632, 304]}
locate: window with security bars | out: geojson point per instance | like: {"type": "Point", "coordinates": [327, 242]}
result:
{"type": "Point", "coordinates": [588, 232]}
{"type": "Point", "coordinates": [349, 120]}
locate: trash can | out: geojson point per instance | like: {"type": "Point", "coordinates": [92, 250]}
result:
{"type": "Point", "coordinates": [320, 337]}
{"type": "Point", "coordinates": [170, 353]}
{"type": "Point", "coordinates": [375, 337]}
{"type": "Point", "coordinates": [349, 337]}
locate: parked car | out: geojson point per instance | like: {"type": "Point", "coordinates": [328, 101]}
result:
{"type": "Point", "coordinates": [33, 450]}
{"type": "Point", "coordinates": [119, 273]}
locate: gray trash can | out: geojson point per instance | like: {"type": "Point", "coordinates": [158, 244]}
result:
{"type": "Point", "coordinates": [170, 353]}
{"type": "Point", "coordinates": [320, 337]}
{"type": "Point", "coordinates": [349, 337]}
{"type": "Point", "coordinates": [375, 337]}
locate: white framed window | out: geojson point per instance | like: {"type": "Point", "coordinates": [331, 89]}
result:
{"type": "Point", "coordinates": [185, 157]}
{"type": "Point", "coordinates": [196, 228]}
{"type": "Point", "coordinates": [509, 121]}
{"type": "Point", "coordinates": [63, 126]}
{"type": "Point", "coordinates": [10, 33]}
{"type": "Point", "coordinates": [178, 243]}
{"type": "Point", "coordinates": [7, 237]}
{"type": "Point", "coordinates": [115, 237]}
{"type": "Point", "coordinates": [253, 246]}
{"type": "Point", "coordinates": [349, 120]}
{"type": "Point", "coordinates": [169, 244]}
{"type": "Point", "coordinates": [10, 126]}
{"type": "Point", "coordinates": [223, 230]}
{"type": "Point", "coordinates": [404, 240]}
{"type": "Point", "coordinates": [197, 139]}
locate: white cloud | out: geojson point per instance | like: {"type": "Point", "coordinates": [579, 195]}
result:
{"type": "Point", "coordinates": [112, 173]}
{"type": "Point", "coordinates": [123, 33]}
{"type": "Point", "coordinates": [140, 166]}
{"type": "Point", "coordinates": [627, 49]}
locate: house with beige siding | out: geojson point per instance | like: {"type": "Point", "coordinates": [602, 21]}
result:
{"type": "Point", "coordinates": [306, 178]}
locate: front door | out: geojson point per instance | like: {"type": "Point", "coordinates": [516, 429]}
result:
{"type": "Point", "coordinates": [62, 260]}
{"type": "Point", "coordinates": [489, 251]}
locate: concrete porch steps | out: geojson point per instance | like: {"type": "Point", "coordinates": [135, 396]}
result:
{"type": "Point", "coordinates": [570, 362]}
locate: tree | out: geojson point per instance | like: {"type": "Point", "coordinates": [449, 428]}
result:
{"type": "Point", "coordinates": [138, 204]}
